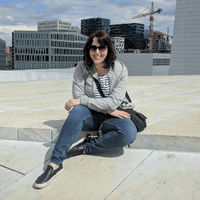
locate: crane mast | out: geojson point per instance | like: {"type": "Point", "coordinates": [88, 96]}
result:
{"type": "Point", "coordinates": [151, 24]}
{"type": "Point", "coordinates": [151, 29]}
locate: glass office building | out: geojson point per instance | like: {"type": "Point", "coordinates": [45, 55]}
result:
{"type": "Point", "coordinates": [88, 26]}
{"type": "Point", "coordinates": [2, 54]}
{"type": "Point", "coordinates": [46, 49]}
{"type": "Point", "coordinates": [133, 34]}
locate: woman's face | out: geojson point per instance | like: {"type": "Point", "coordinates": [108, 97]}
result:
{"type": "Point", "coordinates": [98, 56]}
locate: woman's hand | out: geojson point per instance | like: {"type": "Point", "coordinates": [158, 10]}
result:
{"type": "Point", "coordinates": [71, 103]}
{"type": "Point", "coordinates": [119, 113]}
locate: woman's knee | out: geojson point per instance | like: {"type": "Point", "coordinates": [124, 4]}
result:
{"type": "Point", "coordinates": [78, 113]}
{"type": "Point", "coordinates": [80, 109]}
{"type": "Point", "coordinates": [125, 128]}
{"type": "Point", "coordinates": [129, 135]}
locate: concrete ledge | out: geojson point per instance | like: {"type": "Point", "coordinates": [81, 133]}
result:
{"type": "Point", "coordinates": [37, 135]}
{"type": "Point", "coordinates": [168, 143]}
{"type": "Point", "coordinates": [143, 141]}
{"type": "Point", "coordinates": [34, 135]}
{"type": "Point", "coordinates": [8, 133]}
{"type": "Point", "coordinates": [36, 75]}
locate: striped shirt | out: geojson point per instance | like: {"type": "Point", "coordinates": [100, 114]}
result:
{"type": "Point", "coordinates": [105, 85]}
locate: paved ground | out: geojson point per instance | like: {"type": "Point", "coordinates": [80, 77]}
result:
{"type": "Point", "coordinates": [163, 163]}
{"type": "Point", "coordinates": [125, 174]}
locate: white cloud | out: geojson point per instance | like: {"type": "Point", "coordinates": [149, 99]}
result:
{"type": "Point", "coordinates": [10, 18]}
{"type": "Point", "coordinates": [6, 32]}
{"type": "Point", "coordinates": [20, 4]}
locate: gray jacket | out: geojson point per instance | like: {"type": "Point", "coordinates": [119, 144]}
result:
{"type": "Point", "coordinates": [84, 86]}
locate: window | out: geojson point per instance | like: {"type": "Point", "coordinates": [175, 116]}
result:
{"type": "Point", "coordinates": [17, 42]}
{"type": "Point", "coordinates": [161, 62]}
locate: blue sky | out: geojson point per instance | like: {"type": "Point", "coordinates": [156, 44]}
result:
{"type": "Point", "coordinates": [24, 14]}
{"type": "Point", "coordinates": [5, 2]}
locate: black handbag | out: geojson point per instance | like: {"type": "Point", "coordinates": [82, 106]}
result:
{"type": "Point", "coordinates": [138, 118]}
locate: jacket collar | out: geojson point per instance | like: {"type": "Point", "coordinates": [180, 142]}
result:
{"type": "Point", "coordinates": [93, 71]}
{"type": "Point", "coordinates": [116, 70]}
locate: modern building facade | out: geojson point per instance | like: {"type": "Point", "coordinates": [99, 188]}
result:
{"type": "Point", "coordinates": [8, 57]}
{"type": "Point", "coordinates": [88, 26]}
{"type": "Point", "coordinates": [185, 54]}
{"type": "Point", "coordinates": [146, 41]}
{"type": "Point", "coordinates": [146, 64]}
{"type": "Point", "coordinates": [118, 43]}
{"type": "Point", "coordinates": [58, 25]}
{"type": "Point", "coordinates": [133, 34]}
{"type": "Point", "coordinates": [2, 54]}
{"type": "Point", "coordinates": [77, 29]}
{"type": "Point", "coordinates": [159, 43]}
{"type": "Point", "coordinates": [46, 49]}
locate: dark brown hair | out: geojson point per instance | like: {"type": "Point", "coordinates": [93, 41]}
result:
{"type": "Point", "coordinates": [103, 39]}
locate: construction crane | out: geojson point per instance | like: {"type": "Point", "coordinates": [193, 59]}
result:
{"type": "Point", "coordinates": [168, 36]}
{"type": "Point", "coordinates": [151, 24]}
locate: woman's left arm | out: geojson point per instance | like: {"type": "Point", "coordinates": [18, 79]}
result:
{"type": "Point", "coordinates": [71, 103]}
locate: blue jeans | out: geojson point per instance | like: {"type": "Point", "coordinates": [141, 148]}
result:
{"type": "Point", "coordinates": [117, 132]}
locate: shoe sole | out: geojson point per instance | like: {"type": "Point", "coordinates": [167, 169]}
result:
{"type": "Point", "coordinates": [40, 186]}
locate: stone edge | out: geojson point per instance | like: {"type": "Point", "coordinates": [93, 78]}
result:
{"type": "Point", "coordinates": [144, 141]}
{"type": "Point", "coordinates": [32, 134]}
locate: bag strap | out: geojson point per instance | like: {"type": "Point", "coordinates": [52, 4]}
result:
{"type": "Point", "coordinates": [128, 97]}
{"type": "Point", "coordinates": [99, 87]}
{"type": "Point", "coordinates": [101, 92]}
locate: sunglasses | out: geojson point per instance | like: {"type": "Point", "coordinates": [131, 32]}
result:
{"type": "Point", "coordinates": [101, 48]}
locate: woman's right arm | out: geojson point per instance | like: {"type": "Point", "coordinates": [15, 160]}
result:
{"type": "Point", "coordinates": [78, 86]}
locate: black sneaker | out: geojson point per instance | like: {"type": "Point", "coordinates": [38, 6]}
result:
{"type": "Point", "coordinates": [76, 150]}
{"type": "Point", "coordinates": [45, 179]}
